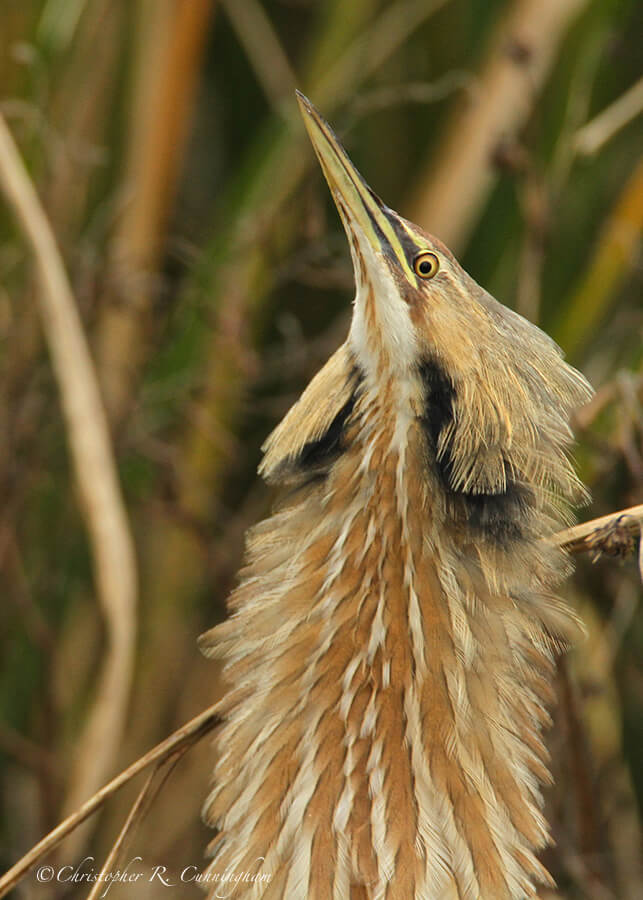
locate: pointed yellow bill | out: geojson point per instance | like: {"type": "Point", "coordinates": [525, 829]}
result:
{"type": "Point", "coordinates": [357, 204]}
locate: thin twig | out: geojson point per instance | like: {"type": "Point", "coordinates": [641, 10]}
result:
{"type": "Point", "coordinates": [606, 394]}
{"type": "Point", "coordinates": [148, 792]}
{"type": "Point", "coordinates": [263, 48]}
{"type": "Point", "coordinates": [595, 134]}
{"type": "Point", "coordinates": [188, 734]}
{"type": "Point", "coordinates": [421, 92]}
{"type": "Point", "coordinates": [93, 462]}
{"type": "Point", "coordinates": [609, 534]}
{"type": "Point", "coordinates": [371, 48]}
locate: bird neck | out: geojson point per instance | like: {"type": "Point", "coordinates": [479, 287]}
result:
{"type": "Point", "coordinates": [384, 725]}
{"type": "Point", "coordinates": [382, 336]}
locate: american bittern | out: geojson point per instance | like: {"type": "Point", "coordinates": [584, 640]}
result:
{"type": "Point", "coordinates": [392, 641]}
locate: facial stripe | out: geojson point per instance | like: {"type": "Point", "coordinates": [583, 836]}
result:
{"type": "Point", "coordinates": [407, 236]}
{"type": "Point", "coordinates": [382, 227]}
{"type": "Point", "coordinates": [381, 231]}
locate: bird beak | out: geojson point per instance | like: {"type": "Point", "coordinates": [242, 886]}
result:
{"type": "Point", "coordinates": [362, 212]}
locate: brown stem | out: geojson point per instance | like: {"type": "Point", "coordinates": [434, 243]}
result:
{"type": "Point", "coordinates": [520, 58]}
{"type": "Point", "coordinates": [189, 733]}
{"type": "Point", "coordinates": [94, 466]}
{"type": "Point", "coordinates": [148, 792]}
{"type": "Point", "coordinates": [614, 534]}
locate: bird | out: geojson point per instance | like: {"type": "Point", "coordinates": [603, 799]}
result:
{"type": "Point", "coordinates": [391, 644]}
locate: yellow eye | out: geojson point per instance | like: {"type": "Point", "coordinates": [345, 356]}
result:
{"type": "Point", "coordinates": [426, 264]}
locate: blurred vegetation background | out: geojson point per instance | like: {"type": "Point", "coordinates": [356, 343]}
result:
{"type": "Point", "coordinates": [212, 279]}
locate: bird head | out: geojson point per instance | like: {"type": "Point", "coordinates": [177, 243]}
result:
{"type": "Point", "coordinates": [495, 388]}
{"type": "Point", "coordinates": [412, 296]}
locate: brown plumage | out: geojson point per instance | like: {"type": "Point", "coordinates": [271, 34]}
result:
{"type": "Point", "coordinates": [391, 644]}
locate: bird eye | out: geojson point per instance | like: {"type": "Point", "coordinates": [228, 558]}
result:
{"type": "Point", "coordinates": [426, 264]}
